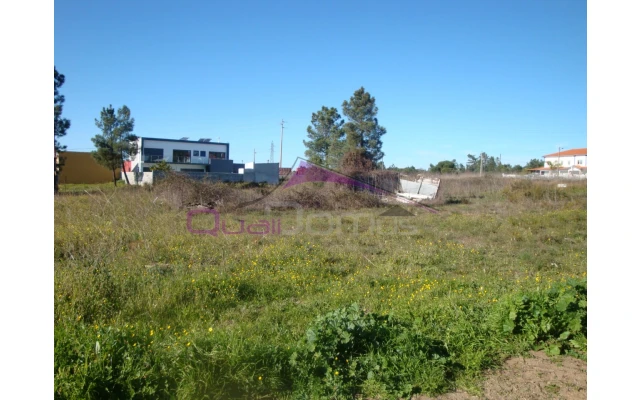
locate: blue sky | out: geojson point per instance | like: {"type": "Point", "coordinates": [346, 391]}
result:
{"type": "Point", "coordinates": [450, 78]}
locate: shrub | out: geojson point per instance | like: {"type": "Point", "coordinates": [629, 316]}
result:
{"type": "Point", "coordinates": [108, 366]}
{"type": "Point", "coordinates": [349, 352]}
{"type": "Point", "coordinates": [162, 166]}
{"type": "Point", "coordinates": [554, 318]}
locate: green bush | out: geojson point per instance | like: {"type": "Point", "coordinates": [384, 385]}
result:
{"type": "Point", "coordinates": [348, 352]}
{"type": "Point", "coordinates": [555, 318]}
{"type": "Point", "coordinates": [89, 366]}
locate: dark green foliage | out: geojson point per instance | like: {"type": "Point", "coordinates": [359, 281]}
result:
{"type": "Point", "coordinates": [108, 366]}
{"type": "Point", "coordinates": [362, 128]}
{"type": "Point", "coordinates": [444, 167]}
{"type": "Point", "coordinates": [117, 141]}
{"type": "Point", "coordinates": [555, 318]}
{"type": "Point", "coordinates": [473, 163]}
{"type": "Point", "coordinates": [326, 144]}
{"type": "Point", "coordinates": [348, 350]}
{"type": "Point", "coordinates": [489, 164]}
{"type": "Point", "coordinates": [60, 125]}
{"type": "Point", "coordinates": [534, 163]}
{"type": "Point", "coordinates": [162, 166]}
{"type": "Point", "coordinates": [407, 170]}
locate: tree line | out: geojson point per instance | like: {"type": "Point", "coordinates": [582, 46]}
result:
{"type": "Point", "coordinates": [351, 145]}
{"type": "Point", "coordinates": [489, 164]}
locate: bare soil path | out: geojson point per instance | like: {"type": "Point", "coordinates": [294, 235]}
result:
{"type": "Point", "coordinates": [535, 378]}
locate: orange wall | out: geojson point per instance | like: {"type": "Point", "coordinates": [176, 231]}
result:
{"type": "Point", "coordinates": [80, 167]}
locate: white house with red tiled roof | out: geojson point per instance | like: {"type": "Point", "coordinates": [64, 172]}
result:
{"type": "Point", "coordinates": [566, 162]}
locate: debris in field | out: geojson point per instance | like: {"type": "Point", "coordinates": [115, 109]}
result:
{"type": "Point", "coordinates": [419, 189]}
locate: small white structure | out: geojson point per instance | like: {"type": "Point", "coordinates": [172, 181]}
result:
{"type": "Point", "coordinates": [139, 178]}
{"type": "Point", "coordinates": [421, 189]}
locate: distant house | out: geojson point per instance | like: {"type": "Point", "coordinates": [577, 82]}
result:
{"type": "Point", "coordinates": [197, 158]}
{"type": "Point", "coordinates": [181, 154]}
{"type": "Point", "coordinates": [567, 162]}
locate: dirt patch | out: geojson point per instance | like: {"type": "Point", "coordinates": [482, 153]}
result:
{"type": "Point", "coordinates": [532, 378]}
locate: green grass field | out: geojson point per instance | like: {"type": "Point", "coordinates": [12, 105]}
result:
{"type": "Point", "coordinates": [424, 304]}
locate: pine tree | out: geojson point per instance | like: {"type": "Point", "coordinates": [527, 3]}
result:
{"type": "Point", "coordinates": [117, 141]}
{"type": "Point", "coordinates": [60, 126]}
{"type": "Point", "coordinates": [326, 144]}
{"type": "Point", "coordinates": [364, 134]}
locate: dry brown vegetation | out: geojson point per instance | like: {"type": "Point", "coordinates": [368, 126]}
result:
{"type": "Point", "coordinates": [180, 192]}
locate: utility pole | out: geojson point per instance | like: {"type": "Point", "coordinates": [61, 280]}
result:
{"type": "Point", "coordinates": [281, 139]}
{"type": "Point", "coordinates": [271, 157]}
{"type": "Point", "coordinates": [481, 159]}
{"type": "Point", "coordinates": [254, 158]}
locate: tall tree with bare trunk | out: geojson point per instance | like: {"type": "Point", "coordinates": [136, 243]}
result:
{"type": "Point", "coordinates": [117, 141]}
{"type": "Point", "coordinates": [60, 126]}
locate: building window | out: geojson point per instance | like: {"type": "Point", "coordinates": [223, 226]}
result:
{"type": "Point", "coordinates": [203, 153]}
{"type": "Point", "coordinates": [217, 155]}
{"type": "Point", "coordinates": [152, 155]}
{"type": "Point", "coordinates": [579, 162]}
{"type": "Point", "coordinates": [195, 153]}
{"type": "Point", "coordinates": [181, 156]}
